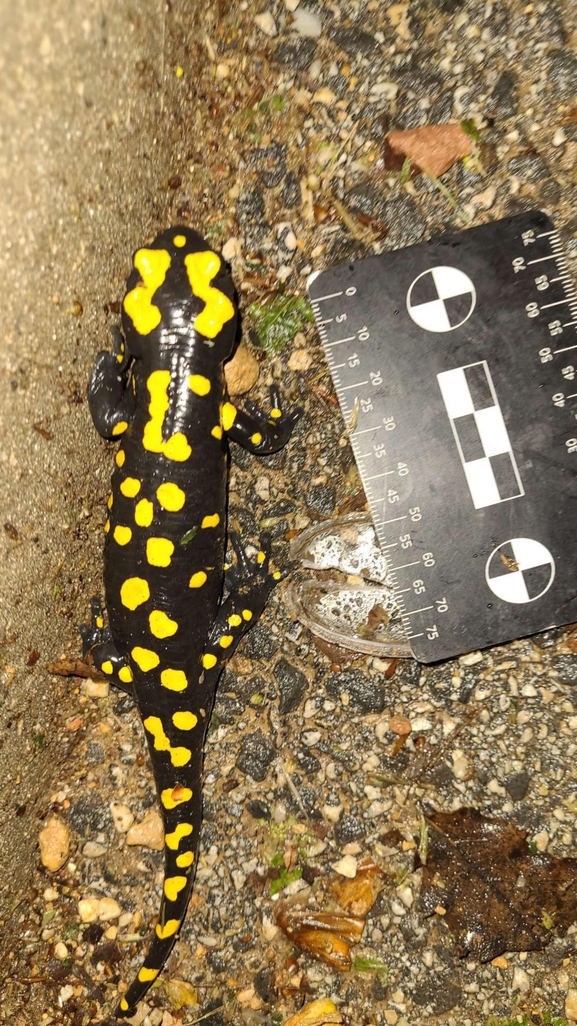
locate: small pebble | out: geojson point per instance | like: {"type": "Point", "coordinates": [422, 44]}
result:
{"type": "Point", "coordinates": [521, 980]}
{"type": "Point", "coordinates": [50, 894]}
{"type": "Point", "coordinates": [347, 866]}
{"type": "Point", "coordinates": [571, 1004]}
{"type": "Point", "coordinates": [306, 23]}
{"type": "Point", "coordinates": [149, 832]}
{"type": "Point", "coordinates": [325, 96]}
{"type": "Point", "coordinates": [94, 850]}
{"type": "Point", "coordinates": [122, 816]}
{"type": "Point", "coordinates": [242, 372]}
{"type": "Point", "coordinates": [541, 840]}
{"type": "Point", "coordinates": [461, 766]}
{"type": "Point", "coordinates": [61, 951]}
{"type": "Point", "coordinates": [332, 812]}
{"type": "Point", "coordinates": [108, 909]}
{"type": "Point", "coordinates": [266, 23]}
{"type": "Point", "coordinates": [88, 909]}
{"type": "Point", "coordinates": [559, 138]}
{"type": "Point", "coordinates": [300, 360]}
{"type": "Point", "coordinates": [95, 688]}
{"type": "Point", "coordinates": [54, 841]}
{"type": "Point", "coordinates": [471, 658]}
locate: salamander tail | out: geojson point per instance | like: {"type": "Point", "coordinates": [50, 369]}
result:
{"type": "Point", "coordinates": [181, 807]}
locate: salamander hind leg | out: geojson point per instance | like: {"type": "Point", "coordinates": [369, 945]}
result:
{"type": "Point", "coordinates": [98, 644]}
{"type": "Point", "coordinates": [250, 583]}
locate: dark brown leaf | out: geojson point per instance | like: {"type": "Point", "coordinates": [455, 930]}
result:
{"type": "Point", "coordinates": [496, 895]}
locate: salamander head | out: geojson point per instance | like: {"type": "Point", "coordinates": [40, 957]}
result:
{"type": "Point", "coordinates": [180, 288]}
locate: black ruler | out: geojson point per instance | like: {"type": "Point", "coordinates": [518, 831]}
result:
{"type": "Point", "coordinates": [455, 364]}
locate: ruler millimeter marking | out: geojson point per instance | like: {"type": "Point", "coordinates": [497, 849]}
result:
{"type": "Point", "coordinates": [455, 365]}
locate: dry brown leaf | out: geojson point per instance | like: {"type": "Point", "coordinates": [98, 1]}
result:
{"type": "Point", "coordinates": [316, 1013]}
{"type": "Point", "coordinates": [326, 935]}
{"type": "Point", "coordinates": [433, 148]}
{"type": "Point", "coordinates": [359, 895]}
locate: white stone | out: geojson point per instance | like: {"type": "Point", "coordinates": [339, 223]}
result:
{"type": "Point", "coordinates": [347, 866]}
{"type": "Point", "coordinates": [461, 766]}
{"type": "Point", "coordinates": [521, 980]}
{"type": "Point", "coordinates": [291, 5]}
{"type": "Point", "coordinates": [421, 723]}
{"type": "Point", "coordinates": [558, 139]}
{"type": "Point", "coordinates": [471, 658]}
{"type": "Point", "coordinates": [108, 909]}
{"type": "Point", "coordinates": [306, 23]}
{"type": "Point", "coordinates": [406, 896]}
{"type": "Point", "coordinates": [529, 690]}
{"type": "Point", "coordinates": [95, 688]}
{"type": "Point", "coordinates": [238, 879]}
{"type": "Point", "coordinates": [61, 951]}
{"type": "Point", "coordinates": [232, 249]}
{"type": "Point", "coordinates": [332, 812]}
{"type": "Point", "coordinates": [266, 23]}
{"type": "Point", "coordinates": [122, 816]}
{"type": "Point", "coordinates": [541, 840]}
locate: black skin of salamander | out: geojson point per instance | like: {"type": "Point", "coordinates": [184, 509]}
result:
{"type": "Point", "coordinates": [118, 395]}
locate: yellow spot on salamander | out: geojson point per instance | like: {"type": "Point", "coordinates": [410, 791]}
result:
{"type": "Point", "coordinates": [143, 513]}
{"type": "Point", "coordinates": [176, 447]}
{"type": "Point", "coordinates": [107, 527]}
{"type": "Point", "coordinates": [173, 796]}
{"type": "Point", "coordinates": [107, 666]}
{"type": "Point", "coordinates": [246, 614]}
{"type": "Point", "coordinates": [122, 535]}
{"type": "Point", "coordinates": [125, 674]}
{"type": "Point", "coordinates": [185, 860]}
{"type": "Point", "coordinates": [197, 580]}
{"type": "Point", "coordinates": [275, 414]}
{"type": "Point", "coordinates": [134, 592]}
{"type": "Point", "coordinates": [199, 384]}
{"type": "Point", "coordinates": [99, 622]}
{"type": "Point", "coordinates": [234, 620]}
{"type": "Point", "coordinates": [201, 269]}
{"type": "Point", "coordinates": [146, 975]}
{"type": "Point", "coordinates": [124, 1004]}
{"type": "Point", "coordinates": [256, 439]}
{"type": "Point", "coordinates": [168, 930]}
{"type": "Point", "coordinates": [277, 575]}
{"type": "Point", "coordinates": [152, 265]}
{"type": "Point", "coordinates": [216, 431]}
{"type": "Point", "coordinates": [173, 840]}
{"type": "Point", "coordinates": [130, 487]}
{"type": "Point", "coordinates": [120, 458]}
{"type": "Point", "coordinates": [179, 240]}
{"type": "Point", "coordinates": [178, 756]}
{"type": "Point", "coordinates": [228, 414]}
{"type": "Point", "coordinates": [184, 720]}
{"type": "Point", "coordinates": [159, 551]}
{"type": "Point", "coordinates": [161, 625]}
{"type": "Point", "coordinates": [208, 661]}
{"type": "Point", "coordinates": [109, 501]}
{"type": "Point", "coordinates": [211, 521]}
{"type": "Point", "coordinates": [119, 428]}
{"type": "Point", "coordinates": [145, 658]}
{"type": "Point", "coordinates": [173, 886]}
{"type": "Point", "coordinates": [174, 680]}
{"type": "Point", "coordinates": [170, 497]}
{"type": "Point", "coordinates": [260, 557]}
{"type": "Point", "coordinates": [226, 640]}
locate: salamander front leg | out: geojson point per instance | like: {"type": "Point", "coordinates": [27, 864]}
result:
{"type": "Point", "coordinates": [97, 640]}
{"type": "Point", "coordinates": [110, 396]}
{"type": "Point", "coordinates": [251, 582]}
{"type": "Point", "coordinates": [259, 432]}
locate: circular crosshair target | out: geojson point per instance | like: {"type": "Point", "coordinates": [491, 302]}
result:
{"type": "Point", "coordinates": [520, 570]}
{"type": "Point", "coordinates": [441, 299]}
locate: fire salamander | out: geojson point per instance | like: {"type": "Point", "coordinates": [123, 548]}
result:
{"type": "Point", "coordinates": [161, 393]}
